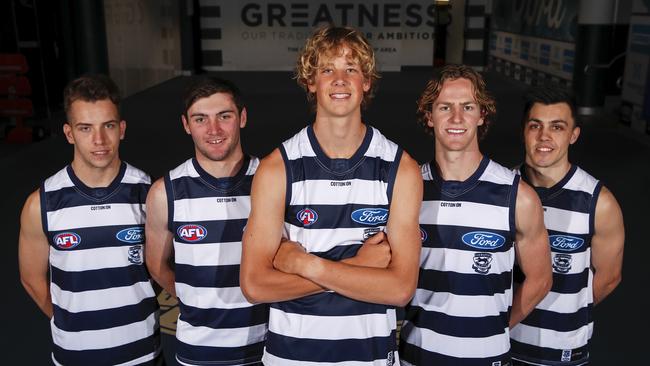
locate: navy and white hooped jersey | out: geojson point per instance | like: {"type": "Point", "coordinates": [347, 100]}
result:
{"type": "Point", "coordinates": [105, 309]}
{"type": "Point", "coordinates": [207, 215]}
{"type": "Point", "coordinates": [332, 206]}
{"type": "Point", "coordinates": [558, 330]}
{"type": "Point", "coordinates": [460, 311]}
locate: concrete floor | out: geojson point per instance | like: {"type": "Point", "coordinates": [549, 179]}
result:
{"type": "Point", "coordinates": [277, 109]}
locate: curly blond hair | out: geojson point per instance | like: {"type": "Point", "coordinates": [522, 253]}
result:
{"type": "Point", "coordinates": [453, 72]}
{"type": "Point", "coordinates": [329, 41]}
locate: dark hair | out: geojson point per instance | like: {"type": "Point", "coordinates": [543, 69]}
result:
{"type": "Point", "coordinates": [206, 86]}
{"type": "Point", "coordinates": [549, 94]}
{"type": "Point", "coordinates": [453, 72]}
{"type": "Point", "coordinates": [90, 88]}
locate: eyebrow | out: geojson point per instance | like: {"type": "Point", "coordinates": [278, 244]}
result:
{"type": "Point", "coordinates": [200, 114]}
{"type": "Point", "coordinates": [450, 103]}
{"type": "Point", "coordinates": [90, 124]}
{"type": "Point", "coordinates": [553, 121]}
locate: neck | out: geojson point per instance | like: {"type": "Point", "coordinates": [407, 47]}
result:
{"type": "Point", "coordinates": [223, 168]}
{"type": "Point", "coordinates": [96, 177]}
{"type": "Point", "coordinates": [457, 165]}
{"type": "Point", "coordinates": [339, 138]}
{"type": "Point", "coordinates": [546, 177]}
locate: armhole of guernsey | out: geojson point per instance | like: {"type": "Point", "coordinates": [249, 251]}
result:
{"type": "Point", "coordinates": [392, 173]}
{"type": "Point", "coordinates": [288, 176]}
{"type": "Point", "coordinates": [512, 204]}
{"type": "Point", "coordinates": [592, 207]}
{"type": "Point", "coordinates": [43, 205]}
{"type": "Point", "coordinates": [169, 192]}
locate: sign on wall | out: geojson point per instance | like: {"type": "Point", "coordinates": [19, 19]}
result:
{"type": "Point", "coordinates": [550, 19]}
{"type": "Point", "coordinates": [267, 35]}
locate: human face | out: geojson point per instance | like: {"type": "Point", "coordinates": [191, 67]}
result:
{"type": "Point", "coordinates": [95, 130]}
{"type": "Point", "coordinates": [455, 116]}
{"type": "Point", "coordinates": [214, 123]}
{"type": "Point", "coordinates": [548, 132]}
{"type": "Point", "coordinates": [339, 85]}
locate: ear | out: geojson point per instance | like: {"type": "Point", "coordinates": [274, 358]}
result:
{"type": "Point", "coordinates": [574, 135]}
{"type": "Point", "coordinates": [482, 120]}
{"type": "Point", "coordinates": [366, 84]}
{"type": "Point", "coordinates": [243, 118]}
{"type": "Point", "coordinates": [67, 131]}
{"type": "Point", "coordinates": [427, 115]}
{"type": "Point", "coordinates": [311, 86]}
{"type": "Point", "coordinates": [186, 125]}
{"type": "Point", "coordinates": [122, 129]}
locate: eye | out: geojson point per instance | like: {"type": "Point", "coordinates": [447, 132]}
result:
{"type": "Point", "coordinates": [468, 108]}
{"type": "Point", "coordinates": [111, 125]}
{"type": "Point", "coordinates": [199, 119]}
{"type": "Point", "coordinates": [443, 108]}
{"type": "Point", "coordinates": [225, 116]}
{"type": "Point", "coordinates": [84, 128]}
{"type": "Point", "coordinates": [326, 70]}
{"type": "Point", "coordinates": [351, 70]}
{"type": "Point", "coordinates": [558, 127]}
{"type": "Point", "coordinates": [533, 126]}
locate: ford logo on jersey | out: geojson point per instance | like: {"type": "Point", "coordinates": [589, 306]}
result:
{"type": "Point", "coordinates": [67, 240]}
{"type": "Point", "coordinates": [565, 243]}
{"type": "Point", "coordinates": [307, 216]}
{"type": "Point", "coordinates": [191, 232]}
{"type": "Point", "coordinates": [132, 235]}
{"type": "Point", "coordinates": [483, 240]}
{"type": "Point", "coordinates": [370, 216]}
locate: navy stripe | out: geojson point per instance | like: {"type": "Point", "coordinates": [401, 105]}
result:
{"type": "Point", "coordinates": [451, 236]}
{"type": "Point", "coordinates": [224, 318]}
{"type": "Point", "coordinates": [97, 237]}
{"type": "Point", "coordinates": [208, 276]}
{"type": "Point", "coordinates": [339, 252]}
{"type": "Point", "coordinates": [570, 283]}
{"type": "Point", "coordinates": [169, 192]}
{"type": "Point", "coordinates": [218, 231]}
{"type": "Point", "coordinates": [512, 206]}
{"type": "Point", "coordinates": [487, 193]}
{"type": "Point", "coordinates": [72, 197]}
{"type": "Point", "coordinates": [288, 175]}
{"type": "Point", "coordinates": [331, 216]}
{"type": "Point", "coordinates": [592, 208]}
{"type": "Point", "coordinates": [108, 356]}
{"type": "Point", "coordinates": [99, 279]}
{"type": "Point", "coordinates": [559, 321]}
{"type": "Point", "coordinates": [188, 187]}
{"type": "Point", "coordinates": [543, 355]}
{"type": "Point", "coordinates": [392, 174]}
{"type": "Point", "coordinates": [586, 245]}
{"type": "Point", "coordinates": [203, 355]}
{"type": "Point", "coordinates": [418, 356]}
{"type": "Point", "coordinates": [576, 201]}
{"type": "Point", "coordinates": [314, 350]}
{"type": "Point", "coordinates": [43, 203]}
{"type": "Point", "coordinates": [458, 326]}
{"type": "Point", "coordinates": [464, 284]}
{"type": "Point", "coordinates": [104, 319]}
{"type": "Point", "coordinates": [330, 304]}
{"type": "Point", "coordinates": [311, 168]}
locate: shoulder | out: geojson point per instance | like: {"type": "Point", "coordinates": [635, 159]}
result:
{"type": "Point", "coordinates": [497, 173]}
{"type": "Point", "coordinates": [157, 190]}
{"type": "Point", "coordinates": [134, 175]}
{"type": "Point", "coordinates": [32, 207]}
{"type": "Point", "coordinates": [527, 198]}
{"type": "Point", "coordinates": [273, 163]}
{"type": "Point", "coordinates": [607, 203]}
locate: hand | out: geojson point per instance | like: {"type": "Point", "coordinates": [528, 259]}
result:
{"type": "Point", "coordinates": [287, 257]}
{"type": "Point", "coordinates": [375, 252]}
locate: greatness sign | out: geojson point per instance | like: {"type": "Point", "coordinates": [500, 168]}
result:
{"type": "Point", "coordinates": [267, 35]}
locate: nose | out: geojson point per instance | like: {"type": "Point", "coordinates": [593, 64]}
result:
{"type": "Point", "coordinates": [457, 114]}
{"type": "Point", "coordinates": [543, 133]}
{"type": "Point", "coordinates": [99, 136]}
{"type": "Point", "coordinates": [213, 126]}
{"type": "Point", "coordinates": [340, 77]}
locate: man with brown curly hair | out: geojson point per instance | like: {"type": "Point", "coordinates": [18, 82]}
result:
{"type": "Point", "coordinates": [315, 200]}
{"type": "Point", "coordinates": [476, 218]}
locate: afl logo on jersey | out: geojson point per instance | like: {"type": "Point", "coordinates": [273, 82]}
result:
{"type": "Point", "coordinates": [483, 240]}
{"type": "Point", "coordinates": [423, 235]}
{"type": "Point", "coordinates": [67, 240]}
{"type": "Point", "coordinates": [370, 216]}
{"type": "Point", "coordinates": [192, 233]}
{"type": "Point", "coordinates": [565, 243]}
{"type": "Point", "coordinates": [307, 216]}
{"type": "Point", "coordinates": [132, 235]}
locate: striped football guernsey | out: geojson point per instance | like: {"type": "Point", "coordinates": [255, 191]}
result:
{"type": "Point", "coordinates": [105, 309]}
{"type": "Point", "coordinates": [459, 314]}
{"type": "Point", "coordinates": [207, 215]}
{"type": "Point", "coordinates": [332, 205]}
{"type": "Point", "coordinates": [558, 331]}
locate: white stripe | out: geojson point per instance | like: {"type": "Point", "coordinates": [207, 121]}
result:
{"type": "Point", "coordinates": [551, 338]}
{"type": "Point", "coordinates": [105, 338]}
{"type": "Point", "coordinates": [457, 346]}
{"type": "Point", "coordinates": [58, 181]}
{"type": "Point", "coordinates": [363, 192]}
{"type": "Point", "coordinates": [133, 175]}
{"type": "Point", "coordinates": [209, 208]}
{"type": "Point", "coordinates": [460, 261]}
{"type": "Point", "coordinates": [89, 259]}
{"type": "Point", "coordinates": [271, 360]}
{"type": "Point", "coordinates": [322, 240]}
{"type": "Point", "coordinates": [462, 305]}
{"type": "Point", "coordinates": [138, 361]}
{"type": "Point", "coordinates": [565, 221]}
{"type": "Point", "coordinates": [109, 298]}
{"type": "Point", "coordinates": [332, 327]}
{"type": "Point", "coordinates": [581, 181]}
{"type": "Point", "coordinates": [211, 297]}
{"type": "Point", "coordinates": [497, 174]}
{"type": "Point", "coordinates": [565, 303]}
{"type": "Point", "coordinates": [579, 261]}
{"type": "Point", "coordinates": [211, 44]}
{"type": "Point", "coordinates": [211, 22]}
{"type": "Point", "coordinates": [204, 254]}
{"type": "Point", "coordinates": [476, 22]}
{"type": "Point", "coordinates": [473, 45]}
{"type": "Point", "coordinates": [83, 216]}
{"type": "Point", "coordinates": [184, 170]}
{"type": "Point", "coordinates": [490, 216]}
{"type": "Point", "coordinates": [210, 337]}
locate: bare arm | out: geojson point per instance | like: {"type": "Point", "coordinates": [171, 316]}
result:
{"type": "Point", "coordinates": [607, 245]}
{"type": "Point", "coordinates": [392, 285]}
{"type": "Point", "coordinates": [533, 254]}
{"type": "Point", "coordinates": [158, 246]}
{"type": "Point", "coordinates": [33, 251]}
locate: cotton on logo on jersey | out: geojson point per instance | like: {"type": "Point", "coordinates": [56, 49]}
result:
{"type": "Point", "coordinates": [370, 216]}
{"type": "Point", "coordinates": [307, 216]}
{"type": "Point", "coordinates": [132, 235]}
{"type": "Point", "coordinates": [483, 240]}
{"type": "Point", "coordinates": [192, 233]}
{"type": "Point", "coordinates": [565, 243]}
{"type": "Point", "coordinates": [67, 240]}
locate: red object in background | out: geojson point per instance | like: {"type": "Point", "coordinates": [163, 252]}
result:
{"type": "Point", "coordinates": [14, 88]}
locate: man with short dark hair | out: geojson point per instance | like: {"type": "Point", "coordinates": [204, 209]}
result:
{"type": "Point", "coordinates": [86, 223]}
{"type": "Point", "coordinates": [586, 236]}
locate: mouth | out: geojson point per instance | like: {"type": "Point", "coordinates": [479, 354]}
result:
{"type": "Point", "coordinates": [215, 141]}
{"type": "Point", "coordinates": [340, 96]}
{"type": "Point", "coordinates": [100, 153]}
{"type": "Point", "coordinates": [543, 149]}
{"type": "Point", "coordinates": [455, 131]}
